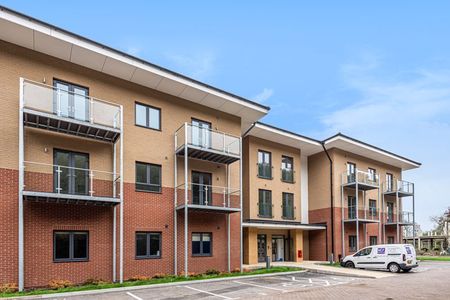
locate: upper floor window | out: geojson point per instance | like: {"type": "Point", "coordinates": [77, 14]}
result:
{"type": "Point", "coordinates": [288, 206]}
{"type": "Point", "coordinates": [372, 174]}
{"type": "Point", "coordinates": [71, 100]}
{"type": "Point", "coordinates": [372, 208]}
{"type": "Point", "coordinates": [148, 244]}
{"type": "Point", "coordinates": [351, 171]}
{"type": "Point", "coordinates": [287, 169]}
{"type": "Point", "coordinates": [201, 133]}
{"type": "Point", "coordinates": [264, 164]}
{"type": "Point", "coordinates": [389, 182]}
{"type": "Point", "coordinates": [70, 245]}
{"type": "Point", "coordinates": [148, 116]}
{"type": "Point", "coordinates": [265, 203]}
{"type": "Point", "coordinates": [148, 177]}
{"type": "Point", "coordinates": [351, 207]}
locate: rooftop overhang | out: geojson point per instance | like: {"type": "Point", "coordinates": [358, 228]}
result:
{"type": "Point", "coordinates": [281, 225]}
{"type": "Point", "coordinates": [34, 34]}
{"type": "Point", "coordinates": [349, 144]}
{"type": "Point", "coordinates": [267, 132]}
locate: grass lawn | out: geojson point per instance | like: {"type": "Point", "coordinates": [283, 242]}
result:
{"type": "Point", "coordinates": [167, 279]}
{"type": "Point", "coordinates": [434, 258]}
{"type": "Point", "coordinates": [335, 264]}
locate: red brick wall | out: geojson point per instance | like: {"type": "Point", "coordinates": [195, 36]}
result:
{"type": "Point", "coordinates": [317, 240]}
{"type": "Point", "coordinates": [142, 212]}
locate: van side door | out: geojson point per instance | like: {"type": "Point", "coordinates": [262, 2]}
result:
{"type": "Point", "coordinates": [363, 258]}
{"type": "Point", "coordinates": [379, 257]}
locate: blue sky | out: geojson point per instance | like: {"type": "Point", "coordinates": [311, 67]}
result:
{"type": "Point", "coordinates": [377, 71]}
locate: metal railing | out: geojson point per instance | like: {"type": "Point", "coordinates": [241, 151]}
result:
{"type": "Point", "coordinates": [406, 217]}
{"type": "Point", "coordinates": [288, 212]}
{"type": "Point", "coordinates": [264, 170]}
{"type": "Point", "coordinates": [360, 177]}
{"type": "Point", "coordinates": [363, 214]}
{"type": "Point", "coordinates": [208, 195]}
{"type": "Point", "coordinates": [287, 175]}
{"type": "Point", "coordinates": [63, 180]}
{"type": "Point", "coordinates": [400, 186]}
{"type": "Point", "coordinates": [265, 210]}
{"type": "Point", "coordinates": [49, 99]}
{"type": "Point", "coordinates": [207, 139]}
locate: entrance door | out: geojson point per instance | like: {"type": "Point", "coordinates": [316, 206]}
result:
{"type": "Point", "coordinates": [71, 173]}
{"type": "Point", "coordinates": [71, 101]}
{"type": "Point", "coordinates": [201, 133]}
{"type": "Point", "coordinates": [262, 248]}
{"type": "Point", "coordinates": [277, 248]}
{"type": "Point", "coordinates": [201, 188]}
{"type": "Point", "coordinates": [390, 212]}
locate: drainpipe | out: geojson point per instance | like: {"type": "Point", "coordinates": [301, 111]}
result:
{"type": "Point", "coordinates": [331, 201]}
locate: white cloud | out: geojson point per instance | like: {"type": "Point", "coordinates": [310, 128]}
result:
{"type": "Point", "coordinates": [199, 66]}
{"type": "Point", "coordinates": [408, 113]}
{"type": "Point", "coordinates": [264, 95]}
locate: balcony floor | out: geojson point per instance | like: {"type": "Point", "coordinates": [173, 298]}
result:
{"type": "Point", "coordinates": [46, 121]}
{"type": "Point", "coordinates": [399, 223]}
{"type": "Point", "coordinates": [208, 154]}
{"type": "Point", "coordinates": [209, 208]}
{"type": "Point", "coordinates": [400, 194]}
{"type": "Point", "coordinates": [361, 186]}
{"type": "Point", "coordinates": [69, 199]}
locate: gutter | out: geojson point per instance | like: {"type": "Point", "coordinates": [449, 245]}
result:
{"type": "Point", "coordinates": [331, 200]}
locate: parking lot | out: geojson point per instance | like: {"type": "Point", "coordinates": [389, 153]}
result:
{"type": "Point", "coordinates": [231, 289]}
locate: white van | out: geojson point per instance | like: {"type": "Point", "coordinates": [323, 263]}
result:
{"type": "Point", "coordinates": [394, 257]}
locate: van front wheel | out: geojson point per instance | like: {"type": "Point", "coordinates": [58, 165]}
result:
{"type": "Point", "coordinates": [394, 268]}
{"type": "Point", "coordinates": [349, 264]}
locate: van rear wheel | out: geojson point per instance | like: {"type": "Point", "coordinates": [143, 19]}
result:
{"type": "Point", "coordinates": [394, 268]}
{"type": "Point", "coordinates": [349, 264]}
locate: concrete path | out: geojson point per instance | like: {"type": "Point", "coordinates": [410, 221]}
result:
{"type": "Point", "coordinates": [319, 267]}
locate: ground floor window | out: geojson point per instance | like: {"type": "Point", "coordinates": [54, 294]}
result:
{"type": "Point", "coordinates": [390, 240]}
{"type": "Point", "coordinates": [148, 245]}
{"type": "Point", "coordinates": [352, 242]}
{"type": "Point", "coordinates": [70, 246]}
{"type": "Point", "coordinates": [202, 244]}
{"type": "Point", "coordinates": [373, 240]}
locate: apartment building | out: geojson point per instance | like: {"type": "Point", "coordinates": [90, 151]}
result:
{"type": "Point", "coordinates": [358, 191]}
{"type": "Point", "coordinates": [275, 211]}
{"type": "Point", "coordinates": [112, 167]}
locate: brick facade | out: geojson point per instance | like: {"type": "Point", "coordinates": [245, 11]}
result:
{"type": "Point", "coordinates": [42, 219]}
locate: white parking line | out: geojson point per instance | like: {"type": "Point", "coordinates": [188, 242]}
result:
{"type": "Point", "coordinates": [205, 292]}
{"type": "Point", "coordinates": [261, 286]}
{"type": "Point", "coordinates": [134, 296]}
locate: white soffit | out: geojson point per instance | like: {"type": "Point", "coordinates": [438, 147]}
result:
{"type": "Point", "coordinates": [306, 145]}
{"type": "Point", "coordinates": [371, 152]}
{"type": "Point", "coordinates": [25, 31]}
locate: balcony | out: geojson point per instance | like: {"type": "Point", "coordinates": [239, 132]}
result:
{"type": "Point", "coordinates": [287, 175]}
{"type": "Point", "coordinates": [62, 184]}
{"type": "Point", "coordinates": [370, 215]}
{"type": "Point", "coordinates": [208, 198]}
{"type": "Point", "coordinates": [264, 170]}
{"type": "Point", "coordinates": [402, 187]}
{"type": "Point", "coordinates": [363, 180]}
{"type": "Point", "coordinates": [50, 108]}
{"type": "Point", "coordinates": [405, 218]}
{"type": "Point", "coordinates": [207, 144]}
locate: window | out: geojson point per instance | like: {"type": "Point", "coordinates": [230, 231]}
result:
{"type": "Point", "coordinates": [373, 240]}
{"type": "Point", "coordinates": [202, 244]}
{"type": "Point", "coordinates": [351, 201]}
{"type": "Point", "coordinates": [352, 242]}
{"type": "Point", "coordinates": [372, 208]}
{"type": "Point", "coordinates": [287, 169]}
{"type": "Point", "coordinates": [372, 174]}
{"type": "Point", "coordinates": [148, 177]}
{"type": "Point", "coordinates": [148, 245]}
{"type": "Point", "coordinates": [288, 206]}
{"type": "Point", "coordinates": [390, 212]}
{"type": "Point", "coordinates": [364, 252]}
{"type": "Point", "coordinates": [351, 172]}
{"type": "Point", "coordinates": [264, 164]}
{"type": "Point", "coordinates": [148, 116]}
{"type": "Point", "coordinates": [389, 182]}
{"type": "Point", "coordinates": [201, 133]}
{"type": "Point", "coordinates": [71, 100]}
{"type": "Point", "coordinates": [265, 203]}
{"type": "Point", "coordinates": [71, 172]}
{"type": "Point", "coordinates": [70, 246]}
{"type": "Point", "coordinates": [390, 240]}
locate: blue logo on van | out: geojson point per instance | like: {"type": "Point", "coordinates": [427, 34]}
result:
{"type": "Point", "coordinates": [381, 250]}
